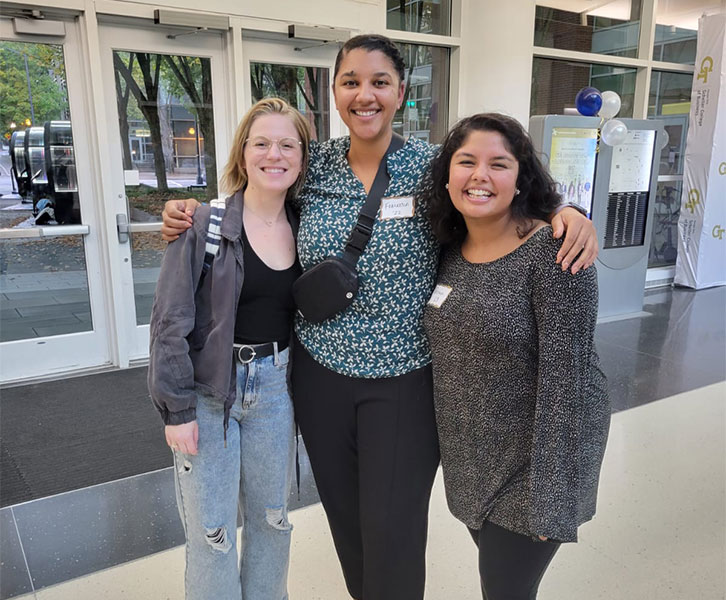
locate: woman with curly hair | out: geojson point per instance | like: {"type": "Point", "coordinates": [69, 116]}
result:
{"type": "Point", "coordinates": [521, 406]}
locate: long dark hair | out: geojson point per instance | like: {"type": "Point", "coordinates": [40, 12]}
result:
{"type": "Point", "coordinates": [537, 196]}
{"type": "Point", "coordinates": [371, 42]}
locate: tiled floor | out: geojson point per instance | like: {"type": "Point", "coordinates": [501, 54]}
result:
{"type": "Point", "coordinates": [659, 532]}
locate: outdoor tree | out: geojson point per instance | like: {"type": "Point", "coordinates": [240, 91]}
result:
{"type": "Point", "coordinates": [123, 93]}
{"type": "Point", "coordinates": [291, 83]}
{"type": "Point", "coordinates": [39, 92]}
{"type": "Point", "coordinates": [147, 99]}
{"type": "Point", "coordinates": [192, 84]}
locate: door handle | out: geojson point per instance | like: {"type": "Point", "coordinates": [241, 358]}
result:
{"type": "Point", "coordinates": [122, 228]}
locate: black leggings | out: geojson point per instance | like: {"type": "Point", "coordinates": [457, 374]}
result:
{"type": "Point", "coordinates": [511, 565]}
{"type": "Point", "coordinates": [374, 451]}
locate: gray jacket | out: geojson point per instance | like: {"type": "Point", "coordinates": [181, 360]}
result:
{"type": "Point", "coordinates": [191, 331]}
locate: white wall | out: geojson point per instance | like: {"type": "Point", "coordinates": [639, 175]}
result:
{"type": "Point", "coordinates": [359, 15]}
{"type": "Point", "coordinates": [496, 57]}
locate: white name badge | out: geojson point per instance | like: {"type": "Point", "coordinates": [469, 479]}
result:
{"type": "Point", "coordinates": [441, 293]}
{"type": "Point", "coordinates": [399, 207]}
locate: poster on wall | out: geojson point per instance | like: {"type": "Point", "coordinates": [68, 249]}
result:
{"type": "Point", "coordinates": [701, 260]}
{"type": "Point", "coordinates": [572, 164]}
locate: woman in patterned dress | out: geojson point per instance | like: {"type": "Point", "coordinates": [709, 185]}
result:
{"type": "Point", "coordinates": [362, 385]}
{"type": "Point", "coordinates": [521, 405]}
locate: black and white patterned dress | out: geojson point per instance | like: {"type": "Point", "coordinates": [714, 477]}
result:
{"type": "Point", "coordinates": [521, 402]}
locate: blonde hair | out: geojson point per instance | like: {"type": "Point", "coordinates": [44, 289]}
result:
{"type": "Point", "coordinates": [234, 177]}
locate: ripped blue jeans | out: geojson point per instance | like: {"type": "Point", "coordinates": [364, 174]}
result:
{"type": "Point", "coordinates": [256, 468]}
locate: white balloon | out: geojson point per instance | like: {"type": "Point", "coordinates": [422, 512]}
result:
{"type": "Point", "coordinates": [663, 139]}
{"type": "Point", "coordinates": [610, 105]}
{"type": "Point", "coordinates": [614, 132]}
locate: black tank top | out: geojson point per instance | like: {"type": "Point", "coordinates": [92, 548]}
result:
{"type": "Point", "coordinates": [266, 308]}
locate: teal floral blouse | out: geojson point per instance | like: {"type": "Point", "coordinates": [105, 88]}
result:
{"type": "Point", "coordinates": [380, 334]}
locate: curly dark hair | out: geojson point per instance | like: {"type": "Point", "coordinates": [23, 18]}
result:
{"type": "Point", "coordinates": [537, 196]}
{"type": "Point", "coordinates": [371, 42]}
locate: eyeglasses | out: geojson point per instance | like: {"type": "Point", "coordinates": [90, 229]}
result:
{"type": "Point", "coordinates": [287, 146]}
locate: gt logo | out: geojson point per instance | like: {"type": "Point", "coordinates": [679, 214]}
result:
{"type": "Point", "coordinates": [706, 68]}
{"type": "Point", "coordinates": [694, 199]}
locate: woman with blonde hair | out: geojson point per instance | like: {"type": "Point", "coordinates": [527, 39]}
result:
{"type": "Point", "coordinates": [220, 345]}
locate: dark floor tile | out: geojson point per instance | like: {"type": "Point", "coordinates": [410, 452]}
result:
{"type": "Point", "coordinates": [14, 578]}
{"type": "Point", "coordinates": [74, 534]}
{"type": "Point", "coordinates": [70, 296]}
{"type": "Point", "coordinates": [144, 289]}
{"type": "Point", "coordinates": [636, 378]}
{"type": "Point", "coordinates": [9, 314]}
{"type": "Point", "coordinates": [16, 331]}
{"type": "Point", "coordinates": [52, 309]}
{"type": "Point", "coordinates": [27, 299]}
{"type": "Point", "coordinates": [685, 327]}
{"type": "Point", "coordinates": [80, 532]}
{"type": "Point", "coordinates": [76, 327]}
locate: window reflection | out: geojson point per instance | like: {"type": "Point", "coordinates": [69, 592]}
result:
{"type": "Point", "coordinates": [38, 168]}
{"type": "Point", "coordinates": [555, 84]}
{"type": "Point", "coordinates": [670, 102]}
{"type": "Point", "coordinates": [425, 109]}
{"type": "Point", "coordinates": [166, 127]}
{"type": "Point", "coordinates": [603, 27]}
{"type": "Point", "coordinates": [305, 88]}
{"type": "Point", "coordinates": [676, 29]}
{"type": "Point", "coordinates": [420, 16]}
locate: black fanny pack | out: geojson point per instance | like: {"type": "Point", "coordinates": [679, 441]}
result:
{"type": "Point", "coordinates": [324, 290]}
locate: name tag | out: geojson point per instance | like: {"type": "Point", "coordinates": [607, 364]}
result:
{"type": "Point", "coordinates": [400, 207]}
{"type": "Point", "coordinates": [441, 293]}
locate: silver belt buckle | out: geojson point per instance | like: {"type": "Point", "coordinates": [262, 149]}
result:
{"type": "Point", "coordinates": [247, 361]}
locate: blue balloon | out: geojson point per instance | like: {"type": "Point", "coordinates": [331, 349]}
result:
{"type": "Point", "coordinates": [588, 101]}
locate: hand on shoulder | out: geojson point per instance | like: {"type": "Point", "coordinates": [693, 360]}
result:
{"type": "Point", "coordinates": [177, 218]}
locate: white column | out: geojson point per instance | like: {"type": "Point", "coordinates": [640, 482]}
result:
{"type": "Point", "coordinates": [496, 57]}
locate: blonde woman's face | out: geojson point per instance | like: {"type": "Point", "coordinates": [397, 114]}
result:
{"type": "Point", "coordinates": [273, 154]}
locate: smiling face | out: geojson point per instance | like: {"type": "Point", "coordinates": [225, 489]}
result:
{"type": "Point", "coordinates": [367, 93]}
{"type": "Point", "coordinates": [483, 177]}
{"type": "Point", "coordinates": [276, 168]}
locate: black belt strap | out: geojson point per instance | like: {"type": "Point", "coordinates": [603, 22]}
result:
{"type": "Point", "coordinates": [363, 229]}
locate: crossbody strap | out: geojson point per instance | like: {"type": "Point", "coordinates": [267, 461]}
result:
{"type": "Point", "coordinates": [361, 233]}
{"type": "Point", "coordinates": [214, 234]}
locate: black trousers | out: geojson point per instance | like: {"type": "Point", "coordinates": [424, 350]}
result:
{"type": "Point", "coordinates": [374, 451]}
{"type": "Point", "coordinates": [511, 565]}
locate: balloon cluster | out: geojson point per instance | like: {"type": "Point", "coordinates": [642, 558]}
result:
{"type": "Point", "coordinates": [590, 102]}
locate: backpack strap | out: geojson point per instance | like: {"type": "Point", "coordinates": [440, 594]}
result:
{"type": "Point", "coordinates": [214, 234]}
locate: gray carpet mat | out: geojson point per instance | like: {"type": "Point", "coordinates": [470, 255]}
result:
{"type": "Point", "coordinates": [68, 434]}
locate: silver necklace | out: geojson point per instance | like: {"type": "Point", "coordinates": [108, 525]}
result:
{"type": "Point", "coordinates": [267, 222]}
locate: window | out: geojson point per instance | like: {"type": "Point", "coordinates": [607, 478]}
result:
{"type": "Point", "coordinates": [305, 88]}
{"type": "Point", "coordinates": [44, 281]}
{"type": "Point", "coordinates": [670, 102]}
{"type": "Point", "coordinates": [676, 29]}
{"type": "Point", "coordinates": [425, 109]}
{"type": "Point", "coordinates": [555, 84]}
{"type": "Point", "coordinates": [602, 28]}
{"type": "Point", "coordinates": [419, 16]}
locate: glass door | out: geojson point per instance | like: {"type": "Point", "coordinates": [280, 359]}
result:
{"type": "Point", "coordinates": [168, 136]}
{"type": "Point", "coordinates": [52, 298]}
{"type": "Point", "coordinates": [298, 71]}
